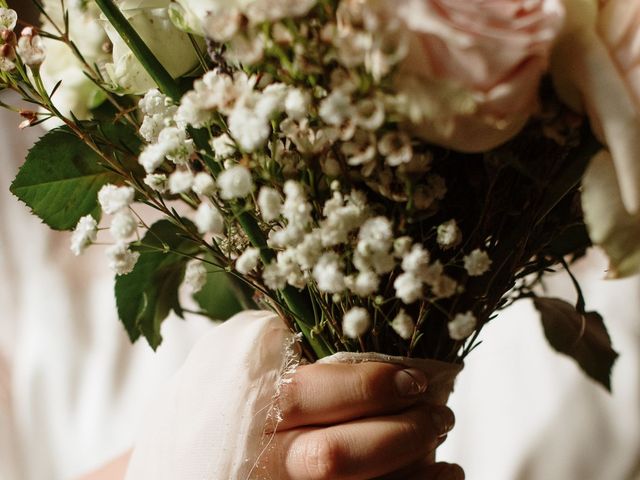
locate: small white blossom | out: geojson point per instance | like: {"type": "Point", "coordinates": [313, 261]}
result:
{"type": "Point", "coordinates": [356, 322]}
{"type": "Point", "coordinates": [364, 284]}
{"type": "Point", "coordinates": [248, 261]}
{"type": "Point", "coordinates": [223, 146]}
{"type": "Point", "coordinates": [8, 18]}
{"type": "Point", "coordinates": [274, 277]}
{"type": "Point", "coordinates": [235, 182]}
{"type": "Point", "coordinates": [245, 50]}
{"type": "Point", "coordinates": [396, 147]}
{"type": "Point", "coordinates": [120, 259]}
{"type": "Point", "coordinates": [84, 234]}
{"type": "Point", "coordinates": [156, 103]}
{"type": "Point", "coordinates": [209, 220]}
{"type": "Point", "coordinates": [270, 203]}
{"type": "Point", "coordinates": [195, 275]}
{"type": "Point", "coordinates": [403, 325]}
{"type": "Point", "coordinates": [250, 130]}
{"type": "Point", "coordinates": [328, 273]}
{"type": "Point", "coordinates": [361, 150]}
{"type": "Point", "coordinates": [177, 147]}
{"type": "Point", "coordinates": [123, 225]}
{"type": "Point", "coordinates": [151, 157]}
{"type": "Point", "coordinates": [336, 108]}
{"type": "Point", "coordinates": [462, 325]}
{"type": "Point", "coordinates": [408, 288]}
{"type": "Point", "coordinates": [369, 114]}
{"type": "Point", "coordinates": [204, 184]}
{"type": "Point", "coordinates": [375, 236]}
{"type": "Point", "coordinates": [157, 182]}
{"type": "Point", "coordinates": [309, 250]}
{"type": "Point", "coordinates": [180, 181]}
{"type": "Point", "coordinates": [31, 48]}
{"type": "Point", "coordinates": [477, 263]}
{"type": "Point", "coordinates": [113, 199]}
{"type": "Point", "coordinates": [271, 100]}
{"type": "Point", "coordinates": [449, 235]}
{"type": "Point", "coordinates": [416, 260]}
{"type": "Point", "coordinates": [444, 287]}
{"type": "Point", "coordinates": [296, 103]}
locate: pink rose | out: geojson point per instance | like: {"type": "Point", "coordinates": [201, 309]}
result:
{"type": "Point", "coordinates": [485, 56]}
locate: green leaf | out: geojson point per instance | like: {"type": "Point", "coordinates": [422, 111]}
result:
{"type": "Point", "coordinates": [218, 297]}
{"type": "Point", "coordinates": [147, 295]}
{"type": "Point", "coordinates": [583, 337]}
{"type": "Point", "coordinates": [60, 180]}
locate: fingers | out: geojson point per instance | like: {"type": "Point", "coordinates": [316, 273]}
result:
{"type": "Point", "coordinates": [326, 394]}
{"type": "Point", "coordinates": [362, 449]}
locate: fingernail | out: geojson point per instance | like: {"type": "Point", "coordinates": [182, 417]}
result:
{"type": "Point", "coordinates": [410, 382]}
{"type": "Point", "coordinates": [442, 419]}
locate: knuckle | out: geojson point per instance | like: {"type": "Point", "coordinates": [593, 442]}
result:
{"type": "Point", "coordinates": [417, 429]}
{"type": "Point", "coordinates": [322, 457]}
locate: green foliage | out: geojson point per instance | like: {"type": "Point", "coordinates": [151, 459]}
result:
{"type": "Point", "coordinates": [60, 180]}
{"type": "Point", "coordinates": [582, 336]}
{"type": "Point", "coordinates": [218, 298]}
{"type": "Point", "coordinates": [146, 296]}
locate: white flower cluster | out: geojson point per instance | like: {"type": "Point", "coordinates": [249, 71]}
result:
{"type": "Point", "coordinates": [29, 47]}
{"type": "Point", "coordinates": [116, 201]}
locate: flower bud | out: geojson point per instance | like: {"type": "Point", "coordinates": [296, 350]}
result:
{"type": "Point", "coordinates": [8, 37]}
{"type": "Point", "coordinates": [31, 48]}
{"type": "Point", "coordinates": [7, 52]}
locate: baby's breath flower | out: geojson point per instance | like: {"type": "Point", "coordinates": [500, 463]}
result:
{"type": "Point", "coordinates": [248, 261]}
{"type": "Point", "coordinates": [113, 198]}
{"type": "Point", "coordinates": [403, 325]}
{"type": "Point", "coordinates": [270, 204]}
{"type": "Point", "coordinates": [180, 181]}
{"type": "Point", "coordinates": [223, 146]}
{"type": "Point", "coordinates": [408, 287]}
{"type": "Point", "coordinates": [328, 273]}
{"type": "Point", "coordinates": [477, 263]}
{"type": "Point", "coordinates": [356, 322]}
{"type": "Point", "coordinates": [204, 184]}
{"type": "Point", "coordinates": [364, 284]}
{"type": "Point", "coordinates": [449, 235]}
{"type": "Point", "coordinates": [195, 275]}
{"type": "Point", "coordinates": [361, 150]}
{"type": "Point", "coordinates": [250, 129]}
{"type": "Point", "coordinates": [402, 246]}
{"type": "Point", "coordinates": [462, 325]}
{"type": "Point", "coordinates": [120, 259]}
{"type": "Point", "coordinates": [274, 277]}
{"type": "Point", "coordinates": [235, 182]}
{"type": "Point", "coordinates": [444, 287]}
{"type": "Point", "coordinates": [175, 144]}
{"type": "Point", "coordinates": [416, 260]}
{"type": "Point", "coordinates": [84, 234]}
{"type": "Point", "coordinates": [297, 103]}
{"type": "Point", "coordinates": [209, 220]}
{"type": "Point", "coordinates": [336, 108]}
{"type": "Point", "coordinates": [123, 225]}
{"type": "Point", "coordinates": [151, 157]}
{"type": "Point", "coordinates": [245, 49]}
{"type": "Point", "coordinates": [157, 182]}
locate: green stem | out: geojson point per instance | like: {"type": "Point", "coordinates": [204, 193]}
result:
{"type": "Point", "coordinates": [143, 53]}
{"type": "Point", "coordinates": [297, 302]}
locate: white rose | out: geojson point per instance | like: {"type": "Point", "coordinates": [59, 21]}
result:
{"type": "Point", "coordinates": [171, 46]}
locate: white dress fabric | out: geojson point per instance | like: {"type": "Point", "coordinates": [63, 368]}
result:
{"type": "Point", "coordinates": [73, 391]}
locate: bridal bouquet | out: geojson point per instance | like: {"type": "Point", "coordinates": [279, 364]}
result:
{"type": "Point", "coordinates": [384, 174]}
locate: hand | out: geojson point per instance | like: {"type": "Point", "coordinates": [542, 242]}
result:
{"type": "Point", "coordinates": [358, 422]}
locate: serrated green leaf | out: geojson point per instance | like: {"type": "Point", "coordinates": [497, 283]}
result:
{"type": "Point", "coordinates": [60, 180]}
{"type": "Point", "coordinates": [147, 295]}
{"type": "Point", "coordinates": [583, 337]}
{"type": "Point", "coordinates": [218, 297]}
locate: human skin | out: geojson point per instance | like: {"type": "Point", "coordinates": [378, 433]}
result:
{"type": "Point", "coordinates": [350, 422]}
